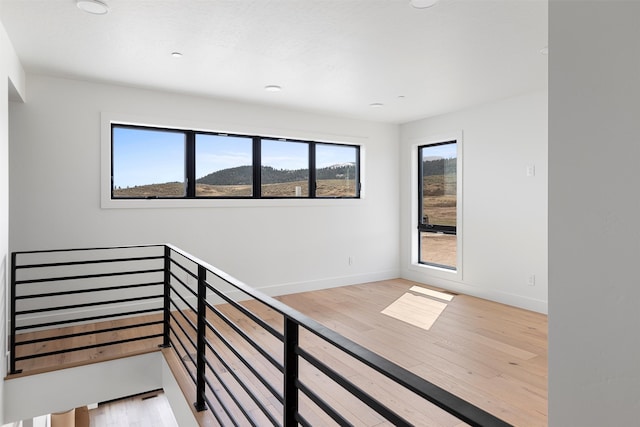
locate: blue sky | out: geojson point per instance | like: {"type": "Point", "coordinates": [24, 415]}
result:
{"type": "Point", "coordinates": [216, 152]}
{"type": "Point", "coordinates": [143, 157]}
{"type": "Point", "coordinates": [329, 155]}
{"type": "Point", "coordinates": [447, 151]}
{"type": "Point", "coordinates": [285, 154]}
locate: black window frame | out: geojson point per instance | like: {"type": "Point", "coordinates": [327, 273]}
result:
{"type": "Point", "coordinates": [426, 227]}
{"type": "Point", "coordinates": [190, 165]}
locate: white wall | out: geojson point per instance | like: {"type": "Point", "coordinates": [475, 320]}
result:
{"type": "Point", "coordinates": [504, 215]}
{"type": "Point", "coordinates": [58, 391]}
{"type": "Point", "coordinates": [11, 75]}
{"type": "Point", "coordinates": [55, 190]}
{"type": "Point", "coordinates": [594, 211]}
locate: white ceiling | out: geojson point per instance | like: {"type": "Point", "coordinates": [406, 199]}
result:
{"type": "Point", "coordinates": [332, 56]}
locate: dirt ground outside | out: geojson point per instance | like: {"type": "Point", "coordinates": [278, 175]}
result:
{"type": "Point", "coordinates": [438, 249]}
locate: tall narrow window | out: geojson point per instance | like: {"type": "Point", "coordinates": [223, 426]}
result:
{"type": "Point", "coordinates": [147, 163]}
{"type": "Point", "coordinates": [285, 168]}
{"type": "Point", "coordinates": [437, 222]}
{"type": "Point", "coordinates": [224, 166]}
{"type": "Point", "coordinates": [336, 170]}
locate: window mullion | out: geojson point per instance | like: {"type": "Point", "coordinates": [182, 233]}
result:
{"type": "Point", "coordinates": [257, 167]}
{"type": "Point", "coordinates": [357, 181]}
{"type": "Point", "coordinates": [312, 170]}
{"type": "Point", "coordinates": [420, 188]}
{"type": "Point", "coordinates": [190, 163]}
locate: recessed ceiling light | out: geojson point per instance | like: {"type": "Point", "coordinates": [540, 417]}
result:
{"type": "Point", "coordinates": [376, 105]}
{"type": "Point", "coordinates": [273, 88]}
{"type": "Point", "coordinates": [423, 4]}
{"type": "Point", "coordinates": [95, 7]}
{"type": "Point", "coordinates": [176, 54]}
{"type": "Point", "coordinates": [545, 50]}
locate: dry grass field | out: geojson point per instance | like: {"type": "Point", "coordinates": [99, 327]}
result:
{"type": "Point", "coordinates": [440, 201]}
{"type": "Point", "coordinates": [325, 188]}
{"type": "Point", "coordinates": [169, 189]}
{"type": "Point", "coordinates": [206, 190]}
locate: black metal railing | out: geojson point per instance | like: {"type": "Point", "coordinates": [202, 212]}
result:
{"type": "Point", "coordinates": [252, 359]}
{"type": "Point", "coordinates": [95, 279]}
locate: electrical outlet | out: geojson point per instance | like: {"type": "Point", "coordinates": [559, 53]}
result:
{"type": "Point", "coordinates": [531, 280]}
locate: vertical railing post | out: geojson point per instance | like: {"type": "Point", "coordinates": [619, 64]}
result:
{"type": "Point", "coordinates": [167, 297]}
{"type": "Point", "coordinates": [12, 338]}
{"type": "Point", "coordinates": [290, 373]}
{"type": "Point", "coordinates": [201, 356]}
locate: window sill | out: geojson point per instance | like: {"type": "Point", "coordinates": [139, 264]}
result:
{"type": "Point", "coordinates": [225, 203]}
{"type": "Point", "coordinates": [433, 271]}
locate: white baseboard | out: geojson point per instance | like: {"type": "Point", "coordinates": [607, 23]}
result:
{"type": "Point", "coordinates": [520, 301]}
{"type": "Point", "coordinates": [327, 283]}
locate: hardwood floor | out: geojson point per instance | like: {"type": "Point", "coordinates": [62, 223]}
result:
{"type": "Point", "coordinates": [492, 355]}
{"type": "Point", "coordinates": [150, 409]}
{"type": "Point", "coordinates": [81, 357]}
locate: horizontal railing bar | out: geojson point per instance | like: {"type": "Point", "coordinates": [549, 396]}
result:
{"type": "Point", "coordinates": [353, 389]}
{"type": "Point", "coordinates": [81, 334]}
{"type": "Point", "coordinates": [183, 268]}
{"type": "Point", "coordinates": [302, 421]}
{"type": "Point", "coordinates": [241, 383]}
{"type": "Point", "coordinates": [215, 414]}
{"type": "Point", "coordinates": [231, 347]}
{"type": "Point", "coordinates": [184, 364]}
{"type": "Point", "coordinates": [242, 334]}
{"type": "Point", "coordinates": [88, 304]}
{"type": "Point", "coordinates": [88, 276]}
{"type": "Point", "coordinates": [84, 291]}
{"type": "Point", "coordinates": [184, 285]}
{"type": "Point", "coordinates": [182, 298]}
{"type": "Point", "coordinates": [87, 347]}
{"type": "Point", "coordinates": [104, 248]}
{"type": "Point", "coordinates": [275, 393]}
{"type": "Point", "coordinates": [91, 261]}
{"type": "Point", "coordinates": [86, 319]}
{"type": "Point", "coordinates": [186, 334]}
{"type": "Point", "coordinates": [247, 313]}
{"type": "Point", "coordinates": [187, 353]}
{"type": "Point", "coordinates": [335, 416]}
{"type": "Point", "coordinates": [230, 394]}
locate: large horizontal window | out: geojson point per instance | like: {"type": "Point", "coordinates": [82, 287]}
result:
{"type": "Point", "coordinates": [149, 163]}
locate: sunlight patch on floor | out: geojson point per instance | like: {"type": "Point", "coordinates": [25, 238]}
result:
{"type": "Point", "coordinates": [416, 310]}
{"type": "Point", "coordinates": [431, 293]}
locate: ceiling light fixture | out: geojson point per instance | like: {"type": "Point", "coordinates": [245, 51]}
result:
{"type": "Point", "coordinates": [273, 88]}
{"type": "Point", "coordinates": [423, 4]}
{"type": "Point", "coordinates": [95, 7]}
{"type": "Point", "coordinates": [176, 54]}
{"type": "Point", "coordinates": [376, 105]}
